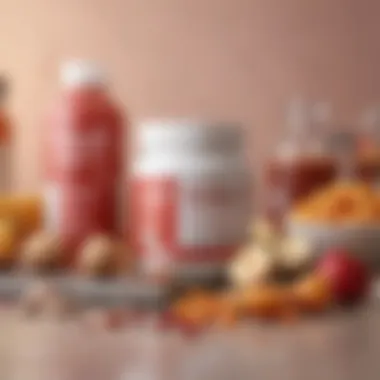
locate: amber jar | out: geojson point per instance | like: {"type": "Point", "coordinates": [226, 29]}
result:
{"type": "Point", "coordinates": [367, 162]}
{"type": "Point", "coordinates": [299, 165]}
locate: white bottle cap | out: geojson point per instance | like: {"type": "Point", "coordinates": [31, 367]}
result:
{"type": "Point", "coordinates": [75, 73]}
{"type": "Point", "coordinates": [189, 136]}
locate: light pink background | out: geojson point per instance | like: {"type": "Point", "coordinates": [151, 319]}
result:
{"type": "Point", "coordinates": [234, 59]}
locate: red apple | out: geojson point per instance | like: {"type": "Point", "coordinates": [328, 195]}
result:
{"type": "Point", "coordinates": [348, 276]}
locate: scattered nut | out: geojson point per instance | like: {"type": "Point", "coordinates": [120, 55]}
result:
{"type": "Point", "coordinates": [34, 299]}
{"type": "Point", "coordinates": [101, 256]}
{"type": "Point", "coordinates": [41, 299]}
{"type": "Point", "coordinates": [42, 252]}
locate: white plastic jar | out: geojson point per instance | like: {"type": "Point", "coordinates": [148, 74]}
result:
{"type": "Point", "coordinates": [190, 194]}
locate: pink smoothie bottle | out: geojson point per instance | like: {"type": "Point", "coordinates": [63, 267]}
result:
{"type": "Point", "coordinates": [83, 157]}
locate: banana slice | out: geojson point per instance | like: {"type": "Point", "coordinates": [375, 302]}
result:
{"type": "Point", "coordinates": [252, 265]}
{"type": "Point", "coordinates": [294, 253]}
{"type": "Point", "coordinates": [267, 236]}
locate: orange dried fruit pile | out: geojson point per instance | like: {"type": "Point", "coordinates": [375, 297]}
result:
{"type": "Point", "coordinates": [8, 242]}
{"type": "Point", "coordinates": [341, 202]}
{"type": "Point", "coordinates": [25, 210]}
{"type": "Point", "coordinates": [265, 301]}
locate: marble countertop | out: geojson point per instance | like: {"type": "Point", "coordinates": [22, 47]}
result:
{"type": "Point", "coordinates": [338, 346]}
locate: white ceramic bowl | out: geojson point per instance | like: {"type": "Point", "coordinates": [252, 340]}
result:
{"type": "Point", "coordinates": [362, 241]}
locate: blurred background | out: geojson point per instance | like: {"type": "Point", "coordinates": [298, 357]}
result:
{"type": "Point", "coordinates": [237, 60]}
{"type": "Point", "coordinates": [253, 276]}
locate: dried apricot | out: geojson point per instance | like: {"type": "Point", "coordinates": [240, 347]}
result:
{"type": "Point", "coordinates": [312, 294]}
{"type": "Point", "coordinates": [198, 308]}
{"type": "Point", "coordinates": [267, 301]}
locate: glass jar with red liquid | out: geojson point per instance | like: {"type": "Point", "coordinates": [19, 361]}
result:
{"type": "Point", "coordinates": [368, 152]}
{"type": "Point", "coordinates": [300, 164]}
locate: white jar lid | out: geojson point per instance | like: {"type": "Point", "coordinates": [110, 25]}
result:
{"type": "Point", "coordinates": [184, 135]}
{"type": "Point", "coordinates": [76, 73]}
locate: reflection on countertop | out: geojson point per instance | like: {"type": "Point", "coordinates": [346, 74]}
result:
{"type": "Point", "coordinates": [342, 345]}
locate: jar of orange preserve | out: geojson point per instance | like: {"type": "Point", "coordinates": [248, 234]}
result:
{"type": "Point", "coordinates": [190, 196]}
